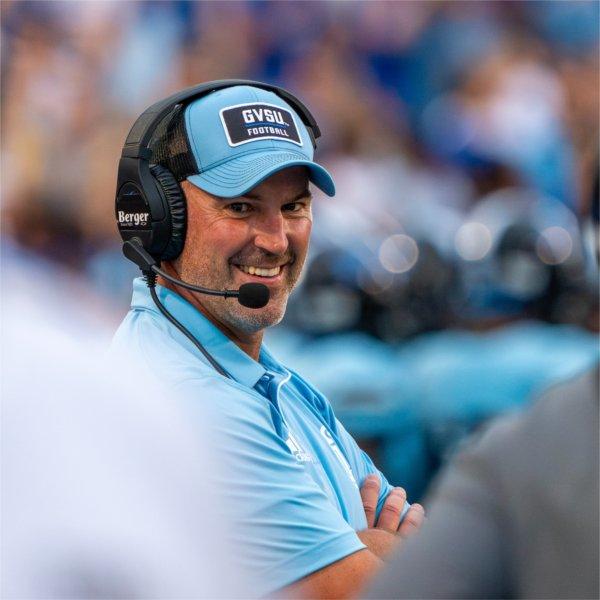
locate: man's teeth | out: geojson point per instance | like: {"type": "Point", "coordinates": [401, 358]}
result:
{"type": "Point", "coordinates": [260, 272]}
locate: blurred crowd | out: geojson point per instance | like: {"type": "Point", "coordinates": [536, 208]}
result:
{"type": "Point", "coordinates": [462, 137]}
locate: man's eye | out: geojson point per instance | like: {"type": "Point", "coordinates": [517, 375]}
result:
{"type": "Point", "coordinates": [293, 206]}
{"type": "Point", "coordinates": [239, 208]}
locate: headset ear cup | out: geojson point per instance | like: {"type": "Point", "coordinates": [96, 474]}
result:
{"type": "Point", "coordinates": [177, 210]}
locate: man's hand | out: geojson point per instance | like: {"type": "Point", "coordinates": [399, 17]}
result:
{"type": "Point", "coordinates": [384, 534]}
{"type": "Point", "coordinates": [391, 511]}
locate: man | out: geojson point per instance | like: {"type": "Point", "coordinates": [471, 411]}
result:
{"type": "Point", "coordinates": [300, 488]}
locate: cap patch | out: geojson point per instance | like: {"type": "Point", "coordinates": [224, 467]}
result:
{"type": "Point", "coordinates": [245, 123]}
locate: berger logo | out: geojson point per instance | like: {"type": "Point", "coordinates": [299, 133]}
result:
{"type": "Point", "coordinates": [133, 219]}
{"type": "Point", "coordinates": [245, 123]}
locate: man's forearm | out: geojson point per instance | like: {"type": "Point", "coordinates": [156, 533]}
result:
{"type": "Point", "coordinates": [379, 542]}
{"type": "Point", "coordinates": [344, 578]}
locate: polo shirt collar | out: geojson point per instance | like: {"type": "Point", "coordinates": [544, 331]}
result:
{"type": "Point", "coordinates": [233, 359]}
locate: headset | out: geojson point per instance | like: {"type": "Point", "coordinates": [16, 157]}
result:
{"type": "Point", "coordinates": [150, 205]}
{"type": "Point", "coordinates": [152, 189]}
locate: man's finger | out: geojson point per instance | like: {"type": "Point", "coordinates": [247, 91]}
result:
{"type": "Point", "coordinates": [412, 521]}
{"type": "Point", "coordinates": [369, 492]}
{"type": "Point", "coordinates": [389, 516]}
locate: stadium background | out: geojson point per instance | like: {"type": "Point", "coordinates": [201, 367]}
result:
{"type": "Point", "coordinates": [449, 279]}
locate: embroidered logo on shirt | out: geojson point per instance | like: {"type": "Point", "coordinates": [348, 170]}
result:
{"type": "Point", "coordinates": [296, 449]}
{"type": "Point", "coordinates": [338, 453]}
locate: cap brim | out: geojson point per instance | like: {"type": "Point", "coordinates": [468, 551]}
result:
{"type": "Point", "coordinates": [239, 175]}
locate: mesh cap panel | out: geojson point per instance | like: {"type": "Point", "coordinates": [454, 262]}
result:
{"type": "Point", "coordinates": [170, 146]}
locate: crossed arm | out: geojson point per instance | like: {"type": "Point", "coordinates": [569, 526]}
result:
{"type": "Point", "coordinates": [345, 578]}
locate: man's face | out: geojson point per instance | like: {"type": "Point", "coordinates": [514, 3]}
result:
{"type": "Point", "coordinates": [261, 237]}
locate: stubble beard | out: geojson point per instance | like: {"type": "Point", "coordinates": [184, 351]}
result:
{"type": "Point", "coordinates": [229, 312]}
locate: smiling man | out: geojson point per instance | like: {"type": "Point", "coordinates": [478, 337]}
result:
{"type": "Point", "coordinates": [260, 237]}
{"type": "Point", "coordinates": [308, 510]}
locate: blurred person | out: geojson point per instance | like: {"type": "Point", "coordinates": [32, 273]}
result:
{"type": "Point", "coordinates": [334, 297]}
{"type": "Point", "coordinates": [496, 119]}
{"type": "Point", "coordinates": [527, 494]}
{"type": "Point", "coordinates": [345, 290]}
{"type": "Point", "coordinates": [38, 224]}
{"type": "Point", "coordinates": [514, 491]}
{"type": "Point", "coordinates": [104, 490]}
{"type": "Point", "coordinates": [312, 514]}
{"type": "Point", "coordinates": [522, 256]}
{"type": "Point", "coordinates": [520, 260]}
{"type": "Point", "coordinates": [56, 98]}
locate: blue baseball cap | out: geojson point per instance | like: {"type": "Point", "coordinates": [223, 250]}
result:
{"type": "Point", "coordinates": [241, 135]}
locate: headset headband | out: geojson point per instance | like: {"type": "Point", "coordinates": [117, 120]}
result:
{"type": "Point", "coordinates": [136, 144]}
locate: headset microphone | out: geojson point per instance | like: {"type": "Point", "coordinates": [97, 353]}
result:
{"type": "Point", "coordinates": [253, 295]}
{"type": "Point", "coordinates": [250, 295]}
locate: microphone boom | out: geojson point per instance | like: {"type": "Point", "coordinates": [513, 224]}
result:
{"type": "Point", "coordinates": [250, 295]}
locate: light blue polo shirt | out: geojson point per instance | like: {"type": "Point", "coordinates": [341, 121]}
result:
{"type": "Point", "coordinates": [290, 470]}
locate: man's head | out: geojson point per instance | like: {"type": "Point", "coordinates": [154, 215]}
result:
{"type": "Point", "coordinates": [260, 237]}
{"type": "Point", "coordinates": [243, 158]}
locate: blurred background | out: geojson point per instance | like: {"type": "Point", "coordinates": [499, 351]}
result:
{"type": "Point", "coordinates": [449, 280]}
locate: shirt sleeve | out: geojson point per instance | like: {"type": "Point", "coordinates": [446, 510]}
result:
{"type": "Point", "coordinates": [283, 524]}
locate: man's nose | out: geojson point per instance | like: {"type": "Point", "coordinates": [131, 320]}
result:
{"type": "Point", "coordinates": [271, 235]}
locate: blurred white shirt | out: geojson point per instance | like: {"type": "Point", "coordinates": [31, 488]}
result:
{"type": "Point", "coordinates": [104, 491]}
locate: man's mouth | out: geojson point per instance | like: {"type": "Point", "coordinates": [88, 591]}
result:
{"type": "Point", "coordinates": [260, 271]}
